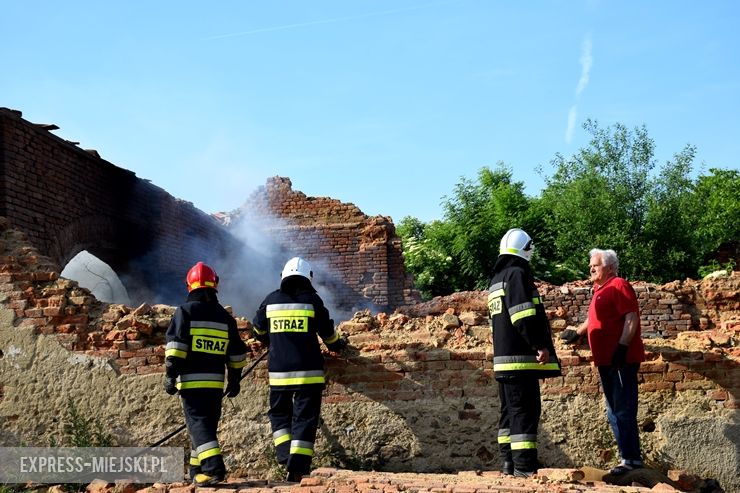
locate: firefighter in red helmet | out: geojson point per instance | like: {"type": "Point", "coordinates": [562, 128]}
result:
{"type": "Point", "coordinates": [203, 346]}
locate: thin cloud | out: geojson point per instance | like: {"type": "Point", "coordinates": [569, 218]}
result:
{"type": "Point", "coordinates": [571, 124]}
{"type": "Point", "coordinates": [325, 21]}
{"type": "Point", "coordinates": [586, 62]}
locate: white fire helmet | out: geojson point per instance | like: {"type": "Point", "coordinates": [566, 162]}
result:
{"type": "Point", "coordinates": [297, 267]}
{"type": "Point", "coordinates": [517, 242]}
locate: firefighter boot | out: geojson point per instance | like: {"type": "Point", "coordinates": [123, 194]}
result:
{"type": "Point", "coordinates": [293, 477]}
{"type": "Point", "coordinates": [508, 468]}
{"type": "Point", "coordinates": [206, 480]}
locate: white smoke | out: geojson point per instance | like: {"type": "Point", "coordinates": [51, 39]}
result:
{"type": "Point", "coordinates": [254, 272]}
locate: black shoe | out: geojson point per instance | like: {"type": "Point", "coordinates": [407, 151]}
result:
{"type": "Point", "coordinates": [508, 468]}
{"type": "Point", "coordinates": [518, 473]}
{"type": "Point", "coordinates": [294, 477]}
{"type": "Point", "coordinates": [624, 468]}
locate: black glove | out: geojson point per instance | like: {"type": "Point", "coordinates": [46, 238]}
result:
{"type": "Point", "coordinates": [569, 336]}
{"type": "Point", "coordinates": [338, 345]}
{"type": "Point", "coordinates": [232, 386]}
{"type": "Point", "coordinates": [620, 356]}
{"type": "Point", "coordinates": [170, 385]}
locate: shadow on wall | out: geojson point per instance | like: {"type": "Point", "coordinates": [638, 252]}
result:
{"type": "Point", "coordinates": [431, 410]}
{"type": "Point", "coordinates": [424, 408]}
{"type": "Point", "coordinates": [699, 372]}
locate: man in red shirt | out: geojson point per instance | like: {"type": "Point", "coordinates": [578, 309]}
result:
{"type": "Point", "coordinates": [613, 327]}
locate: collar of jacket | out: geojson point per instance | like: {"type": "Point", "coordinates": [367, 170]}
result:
{"type": "Point", "coordinates": [203, 295]}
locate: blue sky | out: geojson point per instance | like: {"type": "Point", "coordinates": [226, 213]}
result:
{"type": "Point", "coordinates": [385, 104]}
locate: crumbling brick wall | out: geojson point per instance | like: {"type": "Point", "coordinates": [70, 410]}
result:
{"type": "Point", "coordinates": [66, 199]}
{"type": "Point", "coordinates": [706, 312]}
{"type": "Point", "coordinates": [362, 254]}
{"type": "Point", "coordinates": [415, 390]}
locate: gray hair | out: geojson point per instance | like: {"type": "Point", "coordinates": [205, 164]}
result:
{"type": "Point", "coordinates": [608, 257]}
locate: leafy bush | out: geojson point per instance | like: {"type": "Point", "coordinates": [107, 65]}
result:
{"type": "Point", "coordinates": [662, 223]}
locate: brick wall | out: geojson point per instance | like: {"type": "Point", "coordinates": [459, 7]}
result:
{"type": "Point", "coordinates": [451, 356]}
{"type": "Point", "coordinates": [691, 330]}
{"type": "Point", "coordinates": [427, 366]}
{"type": "Point", "coordinates": [66, 199]}
{"type": "Point", "coordinates": [665, 310]}
{"type": "Point", "coordinates": [362, 255]}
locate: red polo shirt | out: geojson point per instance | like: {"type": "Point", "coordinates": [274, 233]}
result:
{"type": "Point", "coordinates": [609, 304]}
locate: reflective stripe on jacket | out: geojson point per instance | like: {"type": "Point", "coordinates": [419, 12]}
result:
{"type": "Point", "coordinates": [290, 323]}
{"type": "Point", "coordinates": [202, 342]}
{"type": "Point", "coordinates": [520, 326]}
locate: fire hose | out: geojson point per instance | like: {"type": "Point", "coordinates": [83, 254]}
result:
{"type": "Point", "coordinates": [244, 374]}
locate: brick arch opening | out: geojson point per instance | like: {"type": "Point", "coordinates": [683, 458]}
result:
{"type": "Point", "coordinates": [114, 242]}
{"type": "Point", "coordinates": [97, 276]}
{"type": "Point", "coordinates": [67, 199]}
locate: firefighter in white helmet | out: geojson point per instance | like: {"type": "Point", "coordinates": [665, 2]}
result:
{"type": "Point", "coordinates": [523, 352]}
{"type": "Point", "coordinates": [288, 320]}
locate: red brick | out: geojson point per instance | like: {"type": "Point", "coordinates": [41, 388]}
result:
{"type": "Point", "coordinates": [653, 367]}
{"type": "Point", "coordinates": [137, 361]}
{"type": "Point", "coordinates": [570, 361]}
{"type": "Point", "coordinates": [33, 312]}
{"type": "Point", "coordinates": [674, 376]}
{"type": "Point", "coordinates": [468, 355]}
{"type": "Point", "coordinates": [719, 395]}
{"type": "Point", "coordinates": [655, 386]}
{"type": "Point", "coordinates": [54, 311]}
{"type": "Point", "coordinates": [690, 375]}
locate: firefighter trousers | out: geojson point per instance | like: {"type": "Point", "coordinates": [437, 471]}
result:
{"type": "Point", "coordinates": [518, 422]}
{"type": "Point", "coordinates": [202, 409]}
{"type": "Point", "coordinates": [294, 416]}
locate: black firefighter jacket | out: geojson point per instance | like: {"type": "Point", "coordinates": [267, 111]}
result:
{"type": "Point", "coordinates": [288, 321]}
{"type": "Point", "coordinates": [202, 341]}
{"type": "Point", "coordinates": [519, 323]}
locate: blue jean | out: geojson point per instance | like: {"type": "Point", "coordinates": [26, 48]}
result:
{"type": "Point", "coordinates": [620, 390]}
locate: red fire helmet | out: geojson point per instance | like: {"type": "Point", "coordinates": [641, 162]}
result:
{"type": "Point", "coordinates": [201, 276]}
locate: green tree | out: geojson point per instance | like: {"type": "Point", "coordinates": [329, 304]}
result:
{"type": "Point", "coordinates": [718, 210]}
{"type": "Point", "coordinates": [480, 212]}
{"type": "Point", "coordinates": [668, 240]}
{"type": "Point", "coordinates": [599, 197]}
{"type": "Point", "coordinates": [427, 252]}
{"type": "Point", "coordinates": [458, 253]}
{"type": "Point", "coordinates": [610, 194]}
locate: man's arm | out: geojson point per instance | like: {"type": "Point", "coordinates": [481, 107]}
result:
{"type": "Point", "coordinates": [583, 328]}
{"type": "Point", "coordinates": [571, 336]}
{"type": "Point", "coordinates": [261, 325]}
{"type": "Point", "coordinates": [630, 328]}
{"type": "Point", "coordinates": [619, 358]}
